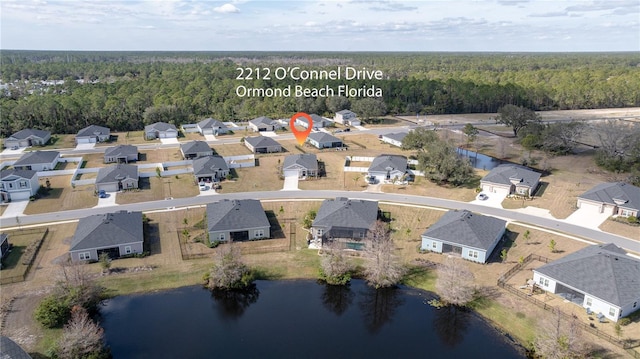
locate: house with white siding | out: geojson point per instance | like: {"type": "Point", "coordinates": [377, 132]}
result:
{"type": "Point", "coordinates": [322, 140]}
{"type": "Point", "coordinates": [93, 134]}
{"type": "Point", "coordinates": [210, 126]}
{"type": "Point", "coordinates": [263, 123]}
{"type": "Point", "coordinates": [160, 130]}
{"type": "Point", "coordinates": [117, 177]}
{"type": "Point", "coordinates": [18, 185]}
{"type": "Point", "coordinates": [511, 179]}
{"type": "Point", "coordinates": [38, 161]}
{"type": "Point", "coordinates": [613, 198]}
{"type": "Point", "coordinates": [469, 235]}
{"type": "Point", "coordinates": [601, 278]}
{"type": "Point", "coordinates": [394, 139]}
{"type": "Point", "coordinates": [27, 138]}
{"type": "Point", "coordinates": [347, 118]}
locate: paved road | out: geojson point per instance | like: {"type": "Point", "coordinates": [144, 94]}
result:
{"type": "Point", "coordinates": [553, 224]}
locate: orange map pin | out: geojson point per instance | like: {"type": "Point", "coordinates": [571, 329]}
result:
{"type": "Point", "coordinates": [301, 136]}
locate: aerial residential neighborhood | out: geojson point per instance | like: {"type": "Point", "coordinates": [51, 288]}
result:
{"type": "Point", "coordinates": [507, 185]}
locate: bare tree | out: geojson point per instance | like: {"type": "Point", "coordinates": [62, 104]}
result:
{"type": "Point", "coordinates": [382, 267]}
{"type": "Point", "coordinates": [455, 283]}
{"type": "Point", "coordinates": [228, 271]}
{"type": "Point", "coordinates": [560, 339]}
{"type": "Point", "coordinates": [81, 337]}
{"type": "Point", "coordinates": [78, 285]}
{"type": "Point", "coordinates": [334, 266]}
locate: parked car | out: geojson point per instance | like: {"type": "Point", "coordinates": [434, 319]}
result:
{"type": "Point", "coordinates": [371, 180]}
{"type": "Point", "coordinates": [102, 194]}
{"type": "Point", "coordinates": [482, 197]}
{"type": "Point", "coordinates": [347, 130]}
{"type": "Point", "coordinates": [337, 131]}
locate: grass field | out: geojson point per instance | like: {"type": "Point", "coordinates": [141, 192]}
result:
{"type": "Point", "coordinates": [62, 196]}
{"type": "Point", "coordinates": [232, 149]}
{"type": "Point", "coordinates": [57, 142]}
{"type": "Point", "coordinates": [154, 189]}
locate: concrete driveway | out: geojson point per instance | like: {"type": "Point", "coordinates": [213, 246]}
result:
{"type": "Point", "coordinates": [165, 141]}
{"type": "Point", "coordinates": [8, 151]}
{"type": "Point", "coordinates": [110, 200]}
{"type": "Point", "coordinates": [493, 200]}
{"type": "Point", "coordinates": [15, 208]}
{"type": "Point", "coordinates": [85, 146]}
{"type": "Point", "coordinates": [210, 138]}
{"type": "Point", "coordinates": [269, 134]}
{"type": "Point", "coordinates": [587, 217]}
{"type": "Point", "coordinates": [291, 183]}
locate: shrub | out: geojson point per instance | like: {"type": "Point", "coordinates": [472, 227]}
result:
{"type": "Point", "coordinates": [624, 321]}
{"type": "Point", "coordinates": [214, 244]}
{"type": "Point", "coordinates": [633, 220]}
{"type": "Point", "coordinates": [53, 312]}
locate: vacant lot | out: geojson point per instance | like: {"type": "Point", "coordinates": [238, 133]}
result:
{"type": "Point", "coordinates": [621, 229]}
{"type": "Point", "coordinates": [57, 142]}
{"type": "Point", "coordinates": [62, 197]}
{"type": "Point", "coordinates": [232, 149]}
{"type": "Point", "coordinates": [264, 177]}
{"type": "Point", "coordinates": [154, 189]}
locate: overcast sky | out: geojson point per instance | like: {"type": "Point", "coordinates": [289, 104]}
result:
{"type": "Point", "coordinates": [356, 25]}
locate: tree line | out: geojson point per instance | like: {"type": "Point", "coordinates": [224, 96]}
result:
{"type": "Point", "coordinates": [124, 91]}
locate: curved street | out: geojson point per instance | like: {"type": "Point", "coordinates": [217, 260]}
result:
{"type": "Point", "coordinates": [632, 245]}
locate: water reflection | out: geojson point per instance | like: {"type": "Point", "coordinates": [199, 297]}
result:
{"type": "Point", "coordinates": [337, 298]}
{"type": "Point", "coordinates": [379, 306]}
{"type": "Point", "coordinates": [231, 304]}
{"type": "Point", "coordinates": [451, 323]}
{"type": "Point", "coordinates": [478, 160]}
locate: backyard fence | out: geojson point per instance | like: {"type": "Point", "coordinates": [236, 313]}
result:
{"type": "Point", "coordinates": [22, 277]}
{"type": "Point", "coordinates": [502, 283]}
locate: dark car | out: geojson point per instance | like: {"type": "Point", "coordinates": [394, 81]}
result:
{"type": "Point", "coordinates": [347, 130]}
{"type": "Point", "coordinates": [102, 193]}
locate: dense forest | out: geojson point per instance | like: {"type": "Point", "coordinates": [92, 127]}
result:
{"type": "Point", "coordinates": [125, 90]}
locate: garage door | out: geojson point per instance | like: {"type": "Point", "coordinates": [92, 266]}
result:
{"type": "Point", "coordinates": [589, 206]}
{"type": "Point", "coordinates": [83, 140]}
{"type": "Point", "coordinates": [291, 173]}
{"type": "Point", "coordinates": [495, 189]}
{"type": "Point", "coordinates": [19, 196]}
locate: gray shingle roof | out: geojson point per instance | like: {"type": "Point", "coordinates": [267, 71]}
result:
{"type": "Point", "coordinates": [346, 213]}
{"type": "Point", "coordinates": [236, 215]}
{"type": "Point", "coordinates": [20, 173]}
{"type": "Point", "coordinates": [22, 134]}
{"type": "Point", "coordinates": [93, 130]}
{"type": "Point", "coordinates": [108, 230]}
{"type": "Point", "coordinates": [382, 162]}
{"type": "Point", "coordinates": [467, 229]}
{"type": "Point", "coordinates": [160, 126]}
{"type": "Point", "coordinates": [121, 150]}
{"type": "Point", "coordinates": [307, 160]}
{"type": "Point", "coordinates": [211, 123]}
{"type": "Point", "coordinates": [323, 137]}
{"type": "Point", "coordinates": [396, 136]}
{"type": "Point", "coordinates": [504, 174]}
{"type": "Point", "coordinates": [345, 112]}
{"type": "Point", "coordinates": [615, 193]}
{"type": "Point", "coordinates": [209, 164]}
{"type": "Point", "coordinates": [603, 271]}
{"type": "Point", "coordinates": [318, 121]}
{"type": "Point", "coordinates": [117, 173]}
{"type": "Point", "coordinates": [262, 120]}
{"type": "Point", "coordinates": [36, 157]}
{"type": "Point", "coordinates": [11, 350]}
{"type": "Point", "coordinates": [195, 147]}
{"type": "Point", "coordinates": [261, 141]}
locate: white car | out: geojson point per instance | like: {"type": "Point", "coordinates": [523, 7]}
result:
{"type": "Point", "coordinates": [482, 197]}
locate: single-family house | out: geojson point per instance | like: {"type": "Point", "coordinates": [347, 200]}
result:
{"type": "Point", "coordinates": [121, 154]}
{"type": "Point", "coordinates": [4, 245]}
{"type": "Point", "coordinates": [27, 137]}
{"type": "Point", "coordinates": [388, 168]}
{"type": "Point", "coordinates": [301, 165]}
{"type": "Point", "coordinates": [262, 144]}
{"type": "Point", "coordinates": [469, 235]}
{"type": "Point", "coordinates": [16, 185]}
{"type": "Point", "coordinates": [614, 198]}
{"type": "Point", "coordinates": [263, 123]}
{"type": "Point", "coordinates": [394, 139]}
{"type": "Point", "coordinates": [602, 278]}
{"type": "Point", "coordinates": [347, 118]}
{"type": "Point", "coordinates": [160, 130]}
{"type": "Point", "coordinates": [324, 140]}
{"type": "Point", "coordinates": [38, 161]}
{"type": "Point", "coordinates": [318, 121]}
{"type": "Point", "coordinates": [210, 169]}
{"type": "Point", "coordinates": [345, 222]}
{"type": "Point", "coordinates": [195, 149]}
{"type": "Point", "coordinates": [209, 126]}
{"type": "Point", "coordinates": [117, 177]}
{"type": "Point", "coordinates": [93, 134]}
{"type": "Point", "coordinates": [237, 220]}
{"type": "Point", "coordinates": [508, 179]}
{"type": "Point", "coordinates": [117, 234]}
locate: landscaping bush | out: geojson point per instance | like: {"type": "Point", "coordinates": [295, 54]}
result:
{"type": "Point", "coordinates": [53, 311]}
{"type": "Point", "coordinates": [633, 220]}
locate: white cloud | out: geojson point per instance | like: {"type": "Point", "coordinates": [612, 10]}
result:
{"type": "Point", "coordinates": [226, 9]}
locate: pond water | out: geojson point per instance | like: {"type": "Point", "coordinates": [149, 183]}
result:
{"type": "Point", "coordinates": [296, 319]}
{"type": "Point", "coordinates": [478, 160]}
